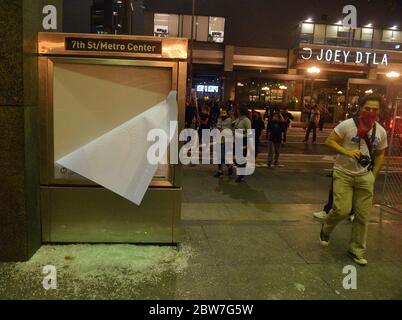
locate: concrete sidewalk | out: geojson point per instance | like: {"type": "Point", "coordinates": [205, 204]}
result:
{"type": "Point", "coordinates": [255, 240]}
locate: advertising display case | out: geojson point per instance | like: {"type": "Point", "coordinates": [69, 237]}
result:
{"type": "Point", "coordinates": [91, 85]}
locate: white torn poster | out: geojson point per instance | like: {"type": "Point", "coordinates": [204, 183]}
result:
{"type": "Point", "coordinates": [117, 160]}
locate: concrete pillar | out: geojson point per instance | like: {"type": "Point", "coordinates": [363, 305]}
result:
{"type": "Point", "coordinates": [229, 55]}
{"type": "Point", "coordinates": [229, 87]}
{"type": "Point", "coordinates": [20, 229]}
{"type": "Point", "coordinates": [229, 83]}
{"type": "Point", "coordinates": [372, 73]}
{"type": "Point", "coordinates": [292, 61]}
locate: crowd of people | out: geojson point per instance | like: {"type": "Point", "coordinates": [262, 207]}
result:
{"type": "Point", "coordinates": [211, 114]}
{"type": "Point", "coordinates": [360, 142]}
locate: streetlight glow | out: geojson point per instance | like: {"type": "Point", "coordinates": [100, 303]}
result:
{"type": "Point", "coordinates": [283, 87]}
{"type": "Point", "coordinates": [393, 75]}
{"type": "Point", "coordinates": [314, 70]}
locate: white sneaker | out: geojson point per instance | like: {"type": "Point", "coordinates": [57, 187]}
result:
{"type": "Point", "coordinates": [322, 215]}
{"type": "Point", "coordinates": [352, 218]}
{"type": "Point", "coordinates": [359, 260]}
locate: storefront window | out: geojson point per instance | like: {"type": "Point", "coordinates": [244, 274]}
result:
{"type": "Point", "coordinates": [205, 28]}
{"type": "Point", "coordinates": [367, 34]}
{"type": "Point", "coordinates": [332, 35]}
{"type": "Point", "coordinates": [343, 32]}
{"type": "Point", "coordinates": [392, 36]}
{"type": "Point", "coordinates": [186, 31]}
{"type": "Point", "coordinates": [307, 33]}
{"type": "Point", "coordinates": [358, 33]}
{"type": "Point", "coordinates": [367, 38]}
{"type": "Point", "coordinates": [338, 35]}
{"type": "Point", "coordinates": [319, 33]}
{"type": "Point", "coordinates": [263, 93]}
{"type": "Point", "coordinates": [166, 25]}
{"type": "Point", "coordinates": [387, 35]}
{"type": "Point", "coordinates": [332, 31]}
{"type": "Point", "coordinates": [398, 36]}
{"type": "Point", "coordinates": [216, 29]}
{"type": "Point", "coordinates": [201, 29]}
{"type": "Point", "coordinates": [307, 28]}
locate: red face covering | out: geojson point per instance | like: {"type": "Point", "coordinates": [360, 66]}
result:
{"type": "Point", "coordinates": [367, 121]}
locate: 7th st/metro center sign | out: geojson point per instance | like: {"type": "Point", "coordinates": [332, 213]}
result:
{"type": "Point", "coordinates": [343, 56]}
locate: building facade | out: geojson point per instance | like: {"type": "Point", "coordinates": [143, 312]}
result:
{"type": "Point", "coordinates": [259, 52]}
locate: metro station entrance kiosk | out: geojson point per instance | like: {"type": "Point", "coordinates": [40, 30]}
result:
{"type": "Point", "coordinates": [90, 84]}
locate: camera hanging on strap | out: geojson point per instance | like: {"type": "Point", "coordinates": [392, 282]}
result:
{"type": "Point", "coordinates": [369, 142]}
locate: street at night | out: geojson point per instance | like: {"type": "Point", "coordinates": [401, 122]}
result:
{"type": "Point", "coordinates": [202, 159]}
{"type": "Point", "coordinates": [257, 240]}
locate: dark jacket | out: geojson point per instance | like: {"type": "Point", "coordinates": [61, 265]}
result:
{"type": "Point", "coordinates": [258, 125]}
{"type": "Point", "coordinates": [275, 130]}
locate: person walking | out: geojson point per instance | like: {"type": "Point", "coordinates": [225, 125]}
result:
{"type": "Point", "coordinates": [204, 121]}
{"type": "Point", "coordinates": [276, 127]}
{"type": "Point", "coordinates": [312, 124]}
{"type": "Point", "coordinates": [258, 125]}
{"type": "Point", "coordinates": [321, 215]}
{"type": "Point", "coordinates": [324, 113]}
{"type": "Point", "coordinates": [191, 113]}
{"type": "Point", "coordinates": [214, 114]}
{"type": "Point", "coordinates": [224, 122]}
{"type": "Point", "coordinates": [288, 118]}
{"type": "Point", "coordinates": [242, 123]}
{"type": "Point", "coordinates": [306, 113]}
{"type": "Point", "coordinates": [360, 144]}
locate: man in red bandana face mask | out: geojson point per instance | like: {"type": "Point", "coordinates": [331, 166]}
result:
{"type": "Point", "coordinates": [367, 120]}
{"type": "Point", "coordinates": [360, 144]}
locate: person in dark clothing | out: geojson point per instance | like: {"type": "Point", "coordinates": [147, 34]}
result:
{"type": "Point", "coordinates": [214, 114]}
{"type": "Point", "coordinates": [266, 114]}
{"type": "Point", "coordinates": [323, 116]}
{"type": "Point", "coordinates": [275, 129]}
{"type": "Point", "coordinates": [204, 121]}
{"type": "Point", "coordinates": [306, 113]}
{"type": "Point", "coordinates": [288, 117]}
{"type": "Point", "coordinates": [313, 121]}
{"type": "Point", "coordinates": [258, 125]}
{"type": "Point", "coordinates": [191, 113]}
{"type": "Point", "coordinates": [242, 123]}
{"type": "Point", "coordinates": [225, 122]}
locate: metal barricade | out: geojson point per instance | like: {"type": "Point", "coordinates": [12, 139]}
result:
{"type": "Point", "coordinates": [392, 188]}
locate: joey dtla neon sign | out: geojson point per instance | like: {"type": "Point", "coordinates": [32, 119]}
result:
{"type": "Point", "coordinates": [344, 56]}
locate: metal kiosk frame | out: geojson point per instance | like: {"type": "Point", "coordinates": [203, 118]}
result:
{"type": "Point", "coordinates": [81, 211]}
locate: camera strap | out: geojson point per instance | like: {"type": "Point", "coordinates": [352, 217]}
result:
{"type": "Point", "coordinates": [369, 142]}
